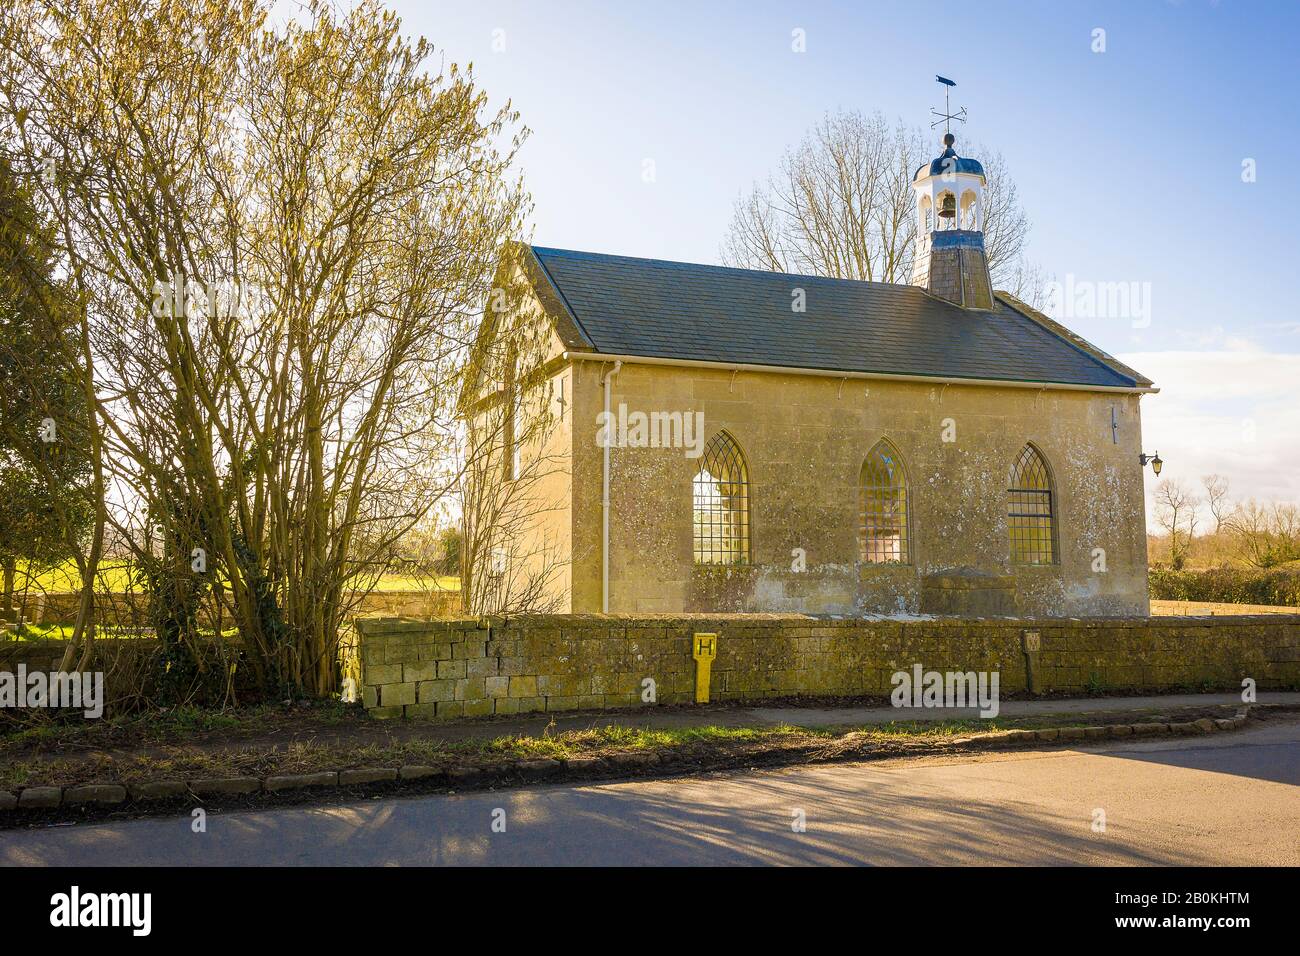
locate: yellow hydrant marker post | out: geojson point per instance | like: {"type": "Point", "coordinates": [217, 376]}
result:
{"type": "Point", "coordinates": [704, 648]}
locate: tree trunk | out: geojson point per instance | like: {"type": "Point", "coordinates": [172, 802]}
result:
{"type": "Point", "coordinates": [10, 567]}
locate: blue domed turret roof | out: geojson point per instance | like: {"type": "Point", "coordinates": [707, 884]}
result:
{"type": "Point", "coordinates": [948, 161]}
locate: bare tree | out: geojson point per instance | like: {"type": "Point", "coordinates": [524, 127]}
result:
{"type": "Point", "coordinates": [1175, 513]}
{"type": "Point", "coordinates": [1216, 499]}
{"type": "Point", "coordinates": [1267, 535]}
{"type": "Point", "coordinates": [840, 204]}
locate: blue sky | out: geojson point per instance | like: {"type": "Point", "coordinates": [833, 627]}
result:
{"type": "Point", "coordinates": [1128, 161]}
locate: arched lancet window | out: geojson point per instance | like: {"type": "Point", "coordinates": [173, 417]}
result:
{"type": "Point", "coordinates": [722, 504]}
{"type": "Point", "coordinates": [1031, 515]}
{"type": "Point", "coordinates": [882, 528]}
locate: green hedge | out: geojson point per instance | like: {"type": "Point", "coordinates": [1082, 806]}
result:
{"type": "Point", "coordinates": [1278, 586]}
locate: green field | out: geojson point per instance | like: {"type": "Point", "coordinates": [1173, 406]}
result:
{"type": "Point", "coordinates": [115, 576]}
{"type": "Point", "coordinates": [399, 582]}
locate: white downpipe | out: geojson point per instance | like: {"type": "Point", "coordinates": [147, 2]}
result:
{"type": "Point", "coordinates": [604, 499]}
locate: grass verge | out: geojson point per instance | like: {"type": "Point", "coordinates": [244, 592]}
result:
{"type": "Point", "coordinates": [189, 744]}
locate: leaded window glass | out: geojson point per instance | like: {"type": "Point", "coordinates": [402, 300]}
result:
{"type": "Point", "coordinates": [721, 504]}
{"type": "Point", "coordinates": [1030, 515]}
{"type": "Point", "coordinates": [882, 525]}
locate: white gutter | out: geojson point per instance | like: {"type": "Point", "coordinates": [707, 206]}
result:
{"type": "Point", "coordinates": [604, 498]}
{"type": "Point", "coordinates": [618, 360]}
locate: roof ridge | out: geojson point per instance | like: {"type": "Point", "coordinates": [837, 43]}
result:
{"type": "Point", "coordinates": [569, 253]}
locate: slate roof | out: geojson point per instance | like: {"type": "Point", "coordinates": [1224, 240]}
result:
{"type": "Point", "coordinates": [652, 308]}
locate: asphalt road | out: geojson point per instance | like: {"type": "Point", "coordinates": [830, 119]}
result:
{"type": "Point", "coordinates": [1223, 799]}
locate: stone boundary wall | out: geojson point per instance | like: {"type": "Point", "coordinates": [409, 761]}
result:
{"type": "Point", "coordinates": [132, 609]}
{"type": "Point", "coordinates": [462, 668]}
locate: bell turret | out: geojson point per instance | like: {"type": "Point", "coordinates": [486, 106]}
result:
{"type": "Point", "coordinates": [950, 261]}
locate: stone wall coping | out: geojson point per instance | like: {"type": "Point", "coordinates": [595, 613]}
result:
{"type": "Point", "coordinates": [50, 643]}
{"type": "Point", "coordinates": [391, 625]}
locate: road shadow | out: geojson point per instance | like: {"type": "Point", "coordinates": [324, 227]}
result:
{"type": "Point", "coordinates": [848, 821]}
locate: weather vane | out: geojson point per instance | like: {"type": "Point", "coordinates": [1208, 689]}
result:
{"type": "Point", "coordinates": [947, 116]}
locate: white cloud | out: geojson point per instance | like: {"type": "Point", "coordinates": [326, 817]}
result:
{"type": "Point", "coordinates": [1235, 412]}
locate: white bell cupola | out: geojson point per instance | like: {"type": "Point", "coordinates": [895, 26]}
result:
{"type": "Point", "coordinates": [950, 261]}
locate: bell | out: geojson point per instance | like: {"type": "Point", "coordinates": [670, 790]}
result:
{"type": "Point", "coordinates": [948, 208]}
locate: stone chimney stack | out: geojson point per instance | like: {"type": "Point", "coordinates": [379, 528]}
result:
{"type": "Point", "coordinates": [950, 261]}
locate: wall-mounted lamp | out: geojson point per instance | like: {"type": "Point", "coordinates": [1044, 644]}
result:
{"type": "Point", "coordinates": [1156, 462]}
